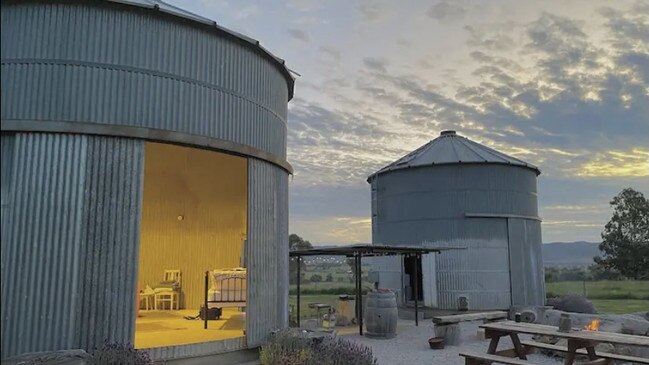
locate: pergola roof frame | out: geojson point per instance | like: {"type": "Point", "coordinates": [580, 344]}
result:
{"type": "Point", "coordinates": [357, 252]}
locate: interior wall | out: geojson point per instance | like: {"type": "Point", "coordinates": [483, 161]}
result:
{"type": "Point", "coordinates": [194, 215]}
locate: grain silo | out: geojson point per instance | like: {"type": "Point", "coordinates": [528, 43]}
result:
{"type": "Point", "coordinates": [142, 146]}
{"type": "Point", "coordinates": [456, 192]}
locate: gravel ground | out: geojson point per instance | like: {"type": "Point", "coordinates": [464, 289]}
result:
{"type": "Point", "coordinates": [410, 346]}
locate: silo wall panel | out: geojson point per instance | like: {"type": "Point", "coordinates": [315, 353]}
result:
{"type": "Point", "coordinates": [42, 243]}
{"type": "Point", "coordinates": [110, 241]}
{"type": "Point", "coordinates": [479, 272]}
{"type": "Point", "coordinates": [526, 262]}
{"type": "Point", "coordinates": [389, 269]}
{"type": "Point", "coordinates": [96, 62]}
{"type": "Point", "coordinates": [267, 307]}
{"type": "Point", "coordinates": [70, 238]}
{"type": "Point", "coordinates": [453, 191]}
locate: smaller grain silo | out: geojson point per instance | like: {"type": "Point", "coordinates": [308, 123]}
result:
{"type": "Point", "coordinates": [456, 192]}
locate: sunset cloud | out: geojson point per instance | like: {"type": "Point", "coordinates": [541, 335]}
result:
{"type": "Point", "coordinates": [562, 85]}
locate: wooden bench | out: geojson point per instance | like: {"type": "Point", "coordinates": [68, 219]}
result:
{"type": "Point", "coordinates": [448, 326]}
{"type": "Point", "coordinates": [606, 355]}
{"type": "Point", "coordinates": [457, 318]}
{"type": "Point", "coordinates": [479, 359]}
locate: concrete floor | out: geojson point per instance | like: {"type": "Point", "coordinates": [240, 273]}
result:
{"type": "Point", "coordinates": [169, 328]}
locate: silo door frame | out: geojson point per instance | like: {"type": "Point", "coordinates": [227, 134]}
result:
{"type": "Point", "coordinates": [409, 263]}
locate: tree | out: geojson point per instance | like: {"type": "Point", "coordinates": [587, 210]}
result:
{"type": "Point", "coordinates": [315, 278]}
{"type": "Point", "coordinates": [625, 240]}
{"type": "Point", "coordinates": [329, 278]}
{"type": "Point", "coordinates": [296, 242]}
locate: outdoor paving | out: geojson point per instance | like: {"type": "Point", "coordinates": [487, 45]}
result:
{"type": "Point", "coordinates": [410, 346]}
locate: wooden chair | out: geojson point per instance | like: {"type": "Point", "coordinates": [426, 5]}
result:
{"type": "Point", "coordinates": [168, 295]}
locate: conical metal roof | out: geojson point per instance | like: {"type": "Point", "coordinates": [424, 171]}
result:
{"type": "Point", "coordinates": [451, 148]}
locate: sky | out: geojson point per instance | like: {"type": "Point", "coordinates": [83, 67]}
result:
{"type": "Point", "coordinates": [563, 85]}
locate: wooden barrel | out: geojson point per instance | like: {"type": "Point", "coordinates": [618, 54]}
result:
{"type": "Point", "coordinates": [381, 314]}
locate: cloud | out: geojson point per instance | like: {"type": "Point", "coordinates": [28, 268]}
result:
{"type": "Point", "coordinates": [617, 163]}
{"type": "Point", "coordinates": [299, 34]}
{"type": "Point", "coordinates": [371, 11]}
{"type": "Point", "coordinates": [375, 64]}
{"type": "Point", "coordinates": [333, 229]}
{"type": "Point", "coordinates": [246, 12]}
{"type": "Point", "coordinates": [479, 38]}
{"type": "Point", "coordinates": [332, 52]}
{"type": "Point", "coordinates": [445, 11]}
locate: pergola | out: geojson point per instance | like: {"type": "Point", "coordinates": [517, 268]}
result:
{"type": "Point", "coordinates": [358, 252]}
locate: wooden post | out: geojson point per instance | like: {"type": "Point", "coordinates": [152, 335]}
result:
{"type": "Point", "coordinates": [299, 262]}
{"type": "Point", "coordinates": [207, 276]}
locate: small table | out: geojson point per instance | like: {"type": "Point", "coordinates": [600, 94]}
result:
{"type": "Point", "coordinates": [318, 307]}
{"type": "Point", "coordinates": [147, 300]}
{"type": "Point", "coordinates": [170, 297]}
{"type": "Point", "coordinates": [576, 339]}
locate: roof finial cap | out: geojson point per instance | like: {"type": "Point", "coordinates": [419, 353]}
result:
{"type": "Point", "coordinates": [448, 133]}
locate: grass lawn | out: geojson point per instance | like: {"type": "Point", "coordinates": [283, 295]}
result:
{"type": "Point", "coordinates": [620, 306]}
{"type": "Point", "coordinates": [305, 300]}
{"type": "Point", "coordinates": [608, 296]}
{"type": "Point", "coordinates": [605, 289]}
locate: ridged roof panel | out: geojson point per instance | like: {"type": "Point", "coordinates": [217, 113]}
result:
{"type": "Point", "coordinates": [451, 148]}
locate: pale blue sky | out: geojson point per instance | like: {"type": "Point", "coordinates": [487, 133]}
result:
{"type": "Point", "coordinates": [562, 84]}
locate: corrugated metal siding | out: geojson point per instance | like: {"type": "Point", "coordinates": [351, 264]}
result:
{"type": "Point", "coordinates": [267, 251]}
{"type": "Point", "coordinates": [97, 62]}
{"type": "Point", "coordinates": [43, 246]}
{"type": "Point", "coordinates": [110, 241]}
{"type": "Point", "coordinates": [7, 156]}
{"type": "Point", "coordinates": [429, 204]}
{"type": "Point", "coordinates": [197, 349]}
{"type": "Point", "coordinates": [480, 272]}
{"type": "Point", "coordinates": [70, 242]}
{"type": "Point", "coordinates": [526, 262]}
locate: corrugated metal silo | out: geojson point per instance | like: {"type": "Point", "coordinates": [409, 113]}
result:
{"type": "Point", "coordinates": [456, 192]}
{"type": "Point", "coordinates": [85, 84]}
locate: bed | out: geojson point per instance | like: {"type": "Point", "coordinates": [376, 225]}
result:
{"type": "Point", "coordinates": [225, 288]}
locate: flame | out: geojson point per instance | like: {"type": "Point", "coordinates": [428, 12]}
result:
{"type": "Point", "coordinates": [592, 326]}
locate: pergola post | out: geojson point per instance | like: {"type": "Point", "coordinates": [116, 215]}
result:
{"type": "Point", "coordinates": [299, 263]}
{"type": "Point", "coordinates": [359, 293]}
{"type": "Point", "coordinates": [417, 258]}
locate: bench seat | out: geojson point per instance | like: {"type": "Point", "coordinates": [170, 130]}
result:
{"type": "Point", "coordinates": [605, 355]}
{"type": "Point", "coordinates": [477, 359]}
{"type": "Point", "coordinates": [457, 318]}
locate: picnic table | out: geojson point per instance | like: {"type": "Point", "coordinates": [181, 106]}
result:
{"type": "Point", "coordinates": [577, 339]}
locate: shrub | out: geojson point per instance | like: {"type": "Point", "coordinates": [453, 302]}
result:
{"type": "Point", "coordinates": [119, 354]}
{"type": "Point", "coordinates": [287, 347]}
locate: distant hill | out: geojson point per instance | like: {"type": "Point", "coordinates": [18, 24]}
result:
{"type": "Point", "coordinates": [569, 253]}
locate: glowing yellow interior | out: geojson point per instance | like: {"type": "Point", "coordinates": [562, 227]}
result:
{"type": "Point", "coordinates": [194, 219]}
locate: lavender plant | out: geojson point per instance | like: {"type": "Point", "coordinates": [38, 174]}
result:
{"type": "Point", "coordinates": [291, 348]}
{"type": "Point", "coordinates": [338, 351]}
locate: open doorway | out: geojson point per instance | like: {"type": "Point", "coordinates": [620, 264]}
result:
{"type": "Point", "coordinates": [409, 265]}
{"type": "Point", "coordinates": [194, 220]}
